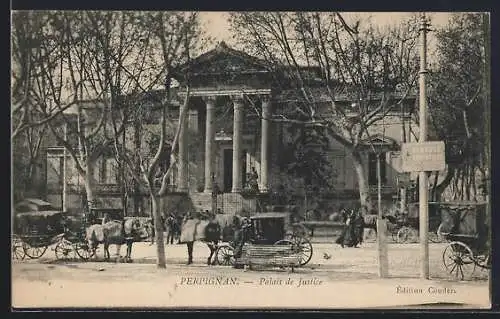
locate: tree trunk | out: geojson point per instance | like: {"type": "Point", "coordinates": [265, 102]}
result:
{"type": "Point", "coordinates": [434, 187]}
{"type": "Point", "coordinates": [89, 183]}
{"type": "Point", "coordinates": [444, 184]}
{"type": "Point", "coordinates": [160, 246]}
{"type": "Point", "coordinates": [364, 190]}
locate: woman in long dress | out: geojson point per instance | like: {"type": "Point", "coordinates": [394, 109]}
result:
{"type": "Point", "coordinates": [352, 234]}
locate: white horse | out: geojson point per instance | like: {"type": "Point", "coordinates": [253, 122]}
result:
{"type": "Point", "coordinates": [114, 233]}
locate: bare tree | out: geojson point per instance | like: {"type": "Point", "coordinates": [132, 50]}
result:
{"type": "Point", "coordinates": [173, 36]}
{"type": "Point", "coordinates": [78, 58]}
{"type": "Point", "coordinates": [374, 68]}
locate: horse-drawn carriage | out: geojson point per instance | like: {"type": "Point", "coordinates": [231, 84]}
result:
{"type": "Point", "coordinates": [465, 226]}
{"type": "Point", "coordinates": [270, 239]}
{"type": "Point", "coordinates": [73, 240]}
{"type": "Point", "coordinates": [404, 226]}
{"type": "Point", "coordinates": [37, 225]}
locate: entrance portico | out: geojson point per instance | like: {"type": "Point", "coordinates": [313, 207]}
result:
{"type": "Point", "coordinates": [219, 146]}
{"type": "Point", "coordinates": [224, 80]}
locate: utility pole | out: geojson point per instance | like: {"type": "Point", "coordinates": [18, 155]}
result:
{"type": "Point", "coordinates": [64, 173]}
{"type": "Point", "coordinates": [383, 258]}
{"type": "Point", "coordinates": [423, 178]}
{"type": "Point", "coordinates": [486, 101]}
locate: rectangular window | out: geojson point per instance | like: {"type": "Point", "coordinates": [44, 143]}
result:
{"type": "Point", "coordinates": [111, 171]}
{"type": "Point", "coordinates": [54, 170]}
{"type": "Point", "coordinates": [372, 169]}
{"type": "Point", "coordinates": [109, 174]}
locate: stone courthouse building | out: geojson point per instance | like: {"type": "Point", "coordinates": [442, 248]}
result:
{"type": "Point", "coordinates": [230, 138]}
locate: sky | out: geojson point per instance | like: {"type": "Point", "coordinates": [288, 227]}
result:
{"type": "Point", "coordinates": [217, 24]}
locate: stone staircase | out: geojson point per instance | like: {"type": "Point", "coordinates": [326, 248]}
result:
{"type": "Point", "coordinates": [234, 203]}
{"type": "Point", "coordinates": [229, 203]}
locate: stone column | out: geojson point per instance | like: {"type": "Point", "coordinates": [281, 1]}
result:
{"type": "Point", "coordinates": [264, 146]}
{"type": "Point", "coordinates": [182, 185]}
{"type": "Point", "coordinates": [209, 142]}
{"type": "Point", "coordinates": [237, 140]}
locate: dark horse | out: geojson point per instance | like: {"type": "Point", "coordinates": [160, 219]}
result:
{"type": "Point", "coordinates": [209, 231]}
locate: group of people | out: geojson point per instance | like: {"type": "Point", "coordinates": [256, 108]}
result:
{"type": "Point", "coordinates": [351, 236]}
{"type": "Point", "coordinates": [171, 226]}
{"type": "Point", "coordinates": [352, 233]}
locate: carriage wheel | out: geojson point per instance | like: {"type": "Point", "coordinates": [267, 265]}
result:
{"type": "Point", "coordinates": [17, 249]}
{"type": "Point", "coordinates": [225, 256]}
{"type": "Point", "coordinates": [458, 260]}
{"type": "Point", "coordinates": [406, 235]}
{"type": "Point", "coordinates": [63, 250]}
{"type": "Point", "coordinates": [34, 252]}
{"type": "Point", "coordinates": [83, 251]}
{"type": "Point", "coordinates": [300, 245]}
{"type": "Point", "coordinates": [305, 248]}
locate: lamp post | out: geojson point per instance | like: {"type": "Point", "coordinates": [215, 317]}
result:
{"type": "Point", "coordinates": [423, 178]}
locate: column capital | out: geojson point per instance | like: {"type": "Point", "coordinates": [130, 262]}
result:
{"type": "Point", "coordinates": [237, 99]}
{"type": "Point", "coordinates": [209, 100]}
{"type": "Point", "coordinates": [266, 98]}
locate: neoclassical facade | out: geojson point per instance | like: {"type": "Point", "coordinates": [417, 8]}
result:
{"type": "Point", "coordinates": [231, 137]}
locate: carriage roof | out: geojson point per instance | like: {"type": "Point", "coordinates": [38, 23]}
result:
{"type": "Point", "coordinates": [46, 213]}
{"type": "Point", "coordinates": [33, 207]}
{"type": "Point", "coordinates": [35, 201]}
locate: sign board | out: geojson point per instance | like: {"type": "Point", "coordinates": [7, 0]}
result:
{"type": "Point", "coordinates": [423, 157]}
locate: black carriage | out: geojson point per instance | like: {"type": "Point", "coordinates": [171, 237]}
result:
{"type": "Point", "coordinates": [466, 228]}
{"type": "Point", "coordinates": [405, 226]}
{"type": "Point", "coordinates": [271, 238]}
{"type": "Point", "coordinates": [73, 240]}
{"type": "Point", "coordinates": [37, 225]}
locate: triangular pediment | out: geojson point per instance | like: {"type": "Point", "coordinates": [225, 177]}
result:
{"type": "Point", "coordinates": [380, 140]}
{"type": "Point", "coordinates": [224, 60]}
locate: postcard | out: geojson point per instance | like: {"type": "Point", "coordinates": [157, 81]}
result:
{"type": "Point", "coordinates": [250, 160]}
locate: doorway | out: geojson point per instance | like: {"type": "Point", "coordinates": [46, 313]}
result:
{"type": "Point", "coordinates": [228, 169]}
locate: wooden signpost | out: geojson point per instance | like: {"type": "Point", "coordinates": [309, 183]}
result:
{"type": "Point", "coordinates": [423, 157]}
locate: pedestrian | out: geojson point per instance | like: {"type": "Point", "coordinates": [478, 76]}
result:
{"type": "Point", "coordinates": [170, 227]}
{"type": "Point", "coordinates": [347, 237]}
{"type": "Point", "coordinates": [358, 226]}
{"type": "Point", "coordinates": [241, 235]}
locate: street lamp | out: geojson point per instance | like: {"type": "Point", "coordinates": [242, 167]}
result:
{"type": "Point", "coordinates": [423, 178]}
